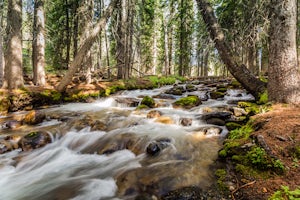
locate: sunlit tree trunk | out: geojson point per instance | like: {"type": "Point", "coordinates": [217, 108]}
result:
{"type": "Point", "coordinates": [38, 44]}
{"type": "Point", "coordinates": [284, 77]}
{"type": "Point", "coordinates": [13, 76]}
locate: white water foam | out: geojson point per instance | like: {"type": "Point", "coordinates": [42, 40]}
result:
{"type": "Point", "coordinates": [60, 165]}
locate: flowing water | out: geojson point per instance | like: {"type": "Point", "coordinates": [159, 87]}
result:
{"type": "Point", "coordinates": [83, 163]}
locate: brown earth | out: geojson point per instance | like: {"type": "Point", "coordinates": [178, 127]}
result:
{"type": "Point", "coordinates": [281, 131]}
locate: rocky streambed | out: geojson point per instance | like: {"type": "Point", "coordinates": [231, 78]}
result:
{"type": "Point", "coordinates": [138, 144]}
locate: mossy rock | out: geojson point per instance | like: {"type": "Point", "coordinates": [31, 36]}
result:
{"type": "Point", "coordinates": [235, 84]}
{"type": "Point", "coordinates": [217, 95]}
{"type": "Point", "coordinates": [148, 101]}
{"type": "Point", "coordinates": [142, 107]}
{"type": "Point", "coordinates": [187, 102]}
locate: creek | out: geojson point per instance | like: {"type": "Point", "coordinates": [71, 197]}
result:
{"type": "Point", "coordinates": [109, 150]}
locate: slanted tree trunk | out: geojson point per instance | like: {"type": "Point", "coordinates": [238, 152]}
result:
{"type": "Point", "coordinates": [239, 71]}
{"type": "Point", "coordinates": [86, 46]}
{"type": "Point", "coordinates": [284, 75]}
{"type": "Point", "coordinates": [38, 44]}
{"type": "Point", "coordinates": [13, 75]}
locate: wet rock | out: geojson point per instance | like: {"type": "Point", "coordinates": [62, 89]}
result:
{"type": "Point", "coordinates": [109, 144]}
{"type": "Point", "coordinates": [186, 193]}
{"type": "Point", "coordinates": [165, 120]}
{"type": "Point", "coordinates": [176, 90]}
{"type": "Point", "coordinates": [186, 121]}
{"type": "Point", "coordinates": [209, 131]}
{"type": "Point", "coordinates": [220, 115]}
{"type": "Point", "coordinates": [239, 112]}
{"type": "Point", "coordinates": [216, 95]}
{"type": "Point", "coordinates": [216, 121]}
{"type": "Point", "coordinates": [12, 124]}
{"type": "Point", "coordinates": [129, 102]}
{"type": "Point", "coordinates": [34, 117]}
{"type": "Point", "coordinates": [5, 146]}
{"type": "Point", "coordinates": [35, 140]}
{"type": "Point", "coordinates": [154, 114]}
{"type": "Point", "coordinates": [190, 88]}
{"type": "Point", "coordinates": [98, 126]}
{"type": "Point", "coordinates": [155, 147]}
{"type": "Point", "coordinates": [164, 96]}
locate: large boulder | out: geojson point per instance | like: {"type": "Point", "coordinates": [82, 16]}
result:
{"type": "Point", "coordinates": [35, 140]}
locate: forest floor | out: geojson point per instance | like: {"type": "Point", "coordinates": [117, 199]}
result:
{"type": "Point", "coordinates": [280, 129]}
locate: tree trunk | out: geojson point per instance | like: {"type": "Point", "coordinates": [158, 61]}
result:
{"type": "Point", "coordinates": [38, 44]}
{"type": "Point", "coordinates": [86, 46]}
{"type": "Point", "coordinates": [284, 77]}
{"type": "Point", "coordinates": [239, 71]}
{"type": "Point", "coordinates": [13, 55]}
{"type": "Point", "coordinates": [68, 35]}
{"type": "Point", "coordinates": [1, 46]}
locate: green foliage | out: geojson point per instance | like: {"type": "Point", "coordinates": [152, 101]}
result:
{"type": "Point", "coordinates": [242, 132]}
{"type": "Point", "coordinates": [51, 94]}
{"type": "Point", "coordinates": [232, 125]}
{"type": "Point", "coordinates": [286, 193]}
{"type": "Point", "coordinates": [221, 175]}
{"type": "Point", "coordinates": [263, 98]}
{"type": "Point", "coordinates": [148, 101]}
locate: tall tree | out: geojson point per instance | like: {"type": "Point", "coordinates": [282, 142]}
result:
{"type": "Point", "coordinates": [38, 44]}
{"type": "Point", "coordinates": [2, 62]}
{"type": "Point", "coordinates": [86, 46]}
{"type": "Point", "coordinates": [284, 75]}
{"type": "Point", "coordinates": [13, 75]}
{"type": "Point", "coordinates": [239, 71]}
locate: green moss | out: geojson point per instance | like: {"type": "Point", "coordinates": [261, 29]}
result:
{"type": "Point", "coordinates": [263, 98]}
{"type": "Point", "coordinates": [286, 193]}
{"type": "Point", "coordinates": [297, 152]}
{"type": "Point", "coordinates": [148, 101]}
{"type": "Point", "coordinates": [52, 95]}
{"type": "Point", "coordinates": [235, 84]}
{"type": "Point", "coordinates": [222, 89]}
{"type": "Point", "coordinates": [188, 102]}
{"type": "Point", "coordinates": [217, 95]}
{"type": "Point", "coordinates": [141, 107]}
{"type": "Point", "coordinates": [243, 132]}
{"type": "Point", "coordinates": [221, 175]}
{"type": "Point", "coordinates": [232, 125]}
{"type": "Point", "coordinates": [253, 108]}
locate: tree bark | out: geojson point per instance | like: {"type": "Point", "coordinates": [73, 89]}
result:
{"type": "Point", "coordinates": [13, 75]}
{"type": "Point", "coordinates": [86, 46]}
{"type": "Point", "coordinates": [38, 45]}
{"type": "Point", "coordinates": [2, 62]}
{"type": "Point", "coordinates": [238, 71]}
{"type": "Point", "coordinates": [284, 77]}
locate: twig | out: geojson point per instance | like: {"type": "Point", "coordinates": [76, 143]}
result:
{"type": "Point", "coordinates": [237, 189]}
